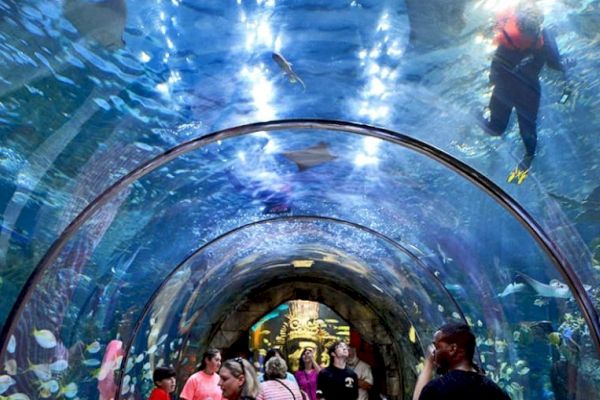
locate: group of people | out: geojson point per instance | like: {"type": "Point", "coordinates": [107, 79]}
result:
{"type": "Point", "coordinates": [450, 355]}
{"type": "Point", "coordinates": [236, 379]}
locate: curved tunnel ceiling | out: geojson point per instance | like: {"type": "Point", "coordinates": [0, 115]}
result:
{"type": "Point", "coordinates": [80, 109]}
{"type": "Point", "coordinates": [259, 251]}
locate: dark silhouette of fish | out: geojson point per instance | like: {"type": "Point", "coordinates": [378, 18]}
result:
{"type": "Point", "coordinates": [310, 157]}
{"type": "Point", "coordinates": [587, 210]}
{"type": "Point", "coordinates": [276, 198]}
{"type": "Point", "coordinates": [104, 21]}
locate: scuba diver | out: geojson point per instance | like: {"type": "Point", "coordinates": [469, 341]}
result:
{"type": "Point", "coordinates": [524, 47]}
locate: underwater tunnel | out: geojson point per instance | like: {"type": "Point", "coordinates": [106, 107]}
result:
{"type": "Point", "coordinates": [172, 171]}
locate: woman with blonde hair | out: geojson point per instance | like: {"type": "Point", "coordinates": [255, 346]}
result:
{"type": "Point", "coordinates": [238, 380]}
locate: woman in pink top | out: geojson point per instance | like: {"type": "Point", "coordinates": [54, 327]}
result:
{"type": "Point", "coordinates": [307, 373]}
{"type": "Point", "coordinates": [204, 384]}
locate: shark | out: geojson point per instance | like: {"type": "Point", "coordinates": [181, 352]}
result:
{"type": "Point", "coordinates": [311, 156]}
{"type": "Point", "coordinates": [286, 67]}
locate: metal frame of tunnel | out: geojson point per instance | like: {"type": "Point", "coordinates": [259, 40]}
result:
{"type": "Point", "coordinates": [489, 187]}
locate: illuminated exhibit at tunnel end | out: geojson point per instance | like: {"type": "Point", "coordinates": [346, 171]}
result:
{"type": "Point", "coordinates": [174, 171]}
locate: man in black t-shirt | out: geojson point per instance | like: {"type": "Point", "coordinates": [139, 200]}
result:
{"type": "Point", "coordinates": [452, 352]}
{"type": "Point", "coordinates": [337, 382]}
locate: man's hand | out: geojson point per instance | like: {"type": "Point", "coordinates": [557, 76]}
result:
{"type": "Point", "coordinates": [427, 373]}
{"type": "Point", "coordinates": [364, 384]}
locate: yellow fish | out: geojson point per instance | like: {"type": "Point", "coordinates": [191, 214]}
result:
{"type": "Point", "coordinates": [93, 347]}
{"type": "Point", "coordinates": [45, 338]}
{"type": "Point", "coordinates": [16, 396]}
{"type": "Point", "coordinates": [70, 390]}
{"type": "Point", "coordinates": [11, 366]}
{"type": "Point", "coordinates": [412, 334]}
{"type": "Point", "coordinates": [42, 371]}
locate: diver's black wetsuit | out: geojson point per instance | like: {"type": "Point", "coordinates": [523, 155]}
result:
{"type": "Point", "coordinates": [514, 74]}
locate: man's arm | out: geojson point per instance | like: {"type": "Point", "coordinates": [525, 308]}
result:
{"type": "Point", "coordinates": [552, 54]}
{"type": "Point", "coordinates": [365, 381]}
{"type": "Point", "coordinates": [425, 375]}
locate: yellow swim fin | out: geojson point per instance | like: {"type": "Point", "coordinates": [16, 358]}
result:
{"type": "Point", "coordinates": [513, 174]}
{"type": "Point", "coordinates": [518, 174]}
{"type": "Point", "coordinates": [522, 176]}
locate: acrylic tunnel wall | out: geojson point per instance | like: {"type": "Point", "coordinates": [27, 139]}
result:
{"type": "Point", "coordinates": [140, 210]}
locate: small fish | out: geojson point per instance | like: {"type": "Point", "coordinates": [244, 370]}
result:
{"type": "Point", "coordinates": [91, 362]}
{"type": "Point", "coordinates": [162, 339]}
{"type": "Point", "coordinates": [554, 338]}
{"type": "Point", "coordinates": [44, 393]}
{"type": "Point", "coordinates": [146, 366]}
{"type": "Point", "coordinates": [286, 67]}
{"type": "Point", "coordinates": [129, 365]}
{"type": "Point", "coordinates": [95, 373]}
{"type": "Point", "coordinates": [139, 358]}
{"type": "Point", "coordinates": [445, 258]}
{"type": "Point", "coordinates": [6, 382]}
{"type": "Point", "coordinates": [541, 302]}
{"type": "Point", "coordinates": [152, 349]}
{"type": "Point", "coordinates": [11, 366]}
{"type": "Point", "coordinates": [59, 365]}
{"type": "Point", "coordinates": [52, 386]}
{"type": "Point", "coordinates": [45, 338]}
{"type": "Point", "coordinates": [93, 347]}
{"type": "Point", "coordinates": [12, 344]}
{"type": "Point", "coordinates": [16, 396]}
{"type": "Point", "coordinates": [512, 288]}
{"type": "Point", "coordinates": [69, 390]}
{"type": "Point", "coordinates": [42, 371]}
{"type": "Point", "coordinates": [539, 328]}
{"type": "Point", "coordinates": [412, 334]}
{"type": "Point", "coordinates": [523, 371]}
{"type": "Point", "coordinates": [125, 389]}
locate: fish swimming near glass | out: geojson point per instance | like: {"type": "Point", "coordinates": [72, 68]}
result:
{"type": "Point", "coordinates": [311, 156]}
{"type": "Point", "coordinates": [286, 67]}
{"type": "Point", "coordinates": [103, 21]}
{"type": "Point", "coordinates": [588, 209]}
{"type": "Point", "coordinates": [513, 287]}
{"type": "Point", "coordinates": [554, 288]}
